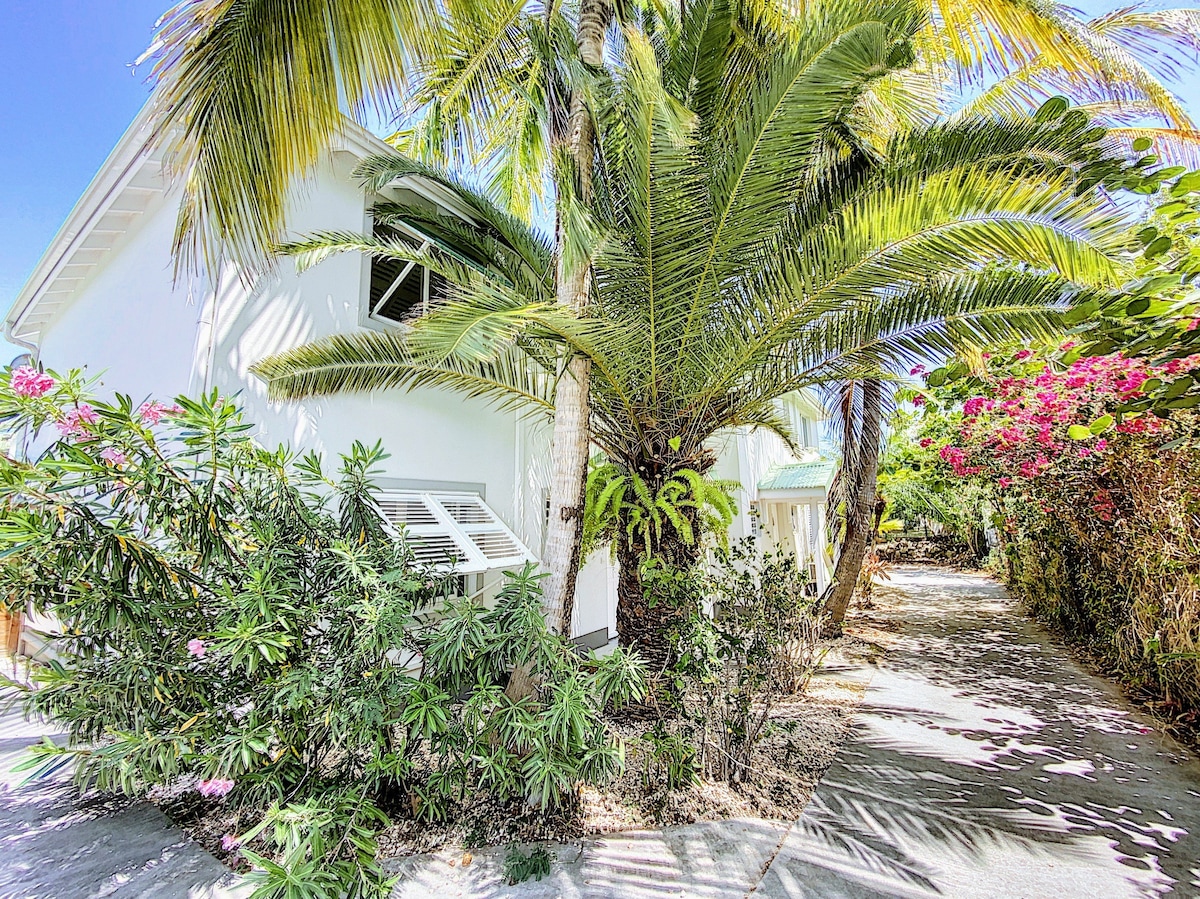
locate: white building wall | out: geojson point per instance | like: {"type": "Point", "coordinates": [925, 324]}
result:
{"type": "Point", "coordinates": [151, 337]}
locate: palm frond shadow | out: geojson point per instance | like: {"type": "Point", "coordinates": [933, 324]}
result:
{"type": "Point", "coordinates": [982, 746]}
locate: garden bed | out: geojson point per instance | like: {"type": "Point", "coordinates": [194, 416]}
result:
{"type": "Point", "coordinates": [807, 731]}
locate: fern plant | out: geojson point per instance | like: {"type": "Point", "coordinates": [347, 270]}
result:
{"type": "Point", "coordinates": [622, 507]}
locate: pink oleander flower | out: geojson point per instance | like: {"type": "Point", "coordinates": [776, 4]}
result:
{"type": "Point", "coordinates": [229, 842]}
{"type": "Point", "coordinates": [29, 382]}
{"type": "Point", "coordinates": [197, 648]}
{"type": "Point", "coordinates": [73, 421]}
{"type": "Point", "coordinates": [153, 412]}
{"type": "Point", "coordinates": [113, 456]}
{"type": "Point", "coordinates": [214, 788]}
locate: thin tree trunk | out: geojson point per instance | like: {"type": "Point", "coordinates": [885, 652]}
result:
{"type": "Point", "coordinates": [571, 410]}
{"type": "Point", "coordinates": [861, 511]}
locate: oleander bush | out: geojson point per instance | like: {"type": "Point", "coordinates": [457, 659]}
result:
{"type": "Point", "coordinates": [236, 622]}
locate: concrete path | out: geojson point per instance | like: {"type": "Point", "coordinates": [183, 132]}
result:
{"type": "Point", "coordinates": [54, 845]}
{"type": "Point", "coordinates": [985, 763]}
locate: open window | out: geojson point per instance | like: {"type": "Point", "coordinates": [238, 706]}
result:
{"type": "Point", "coordinates": [454, 531]}
{"type": "Point", "coordinates": [401, 289]}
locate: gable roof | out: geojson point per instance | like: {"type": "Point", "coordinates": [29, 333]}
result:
{"type": "Point", "coordinates": [128, 181]}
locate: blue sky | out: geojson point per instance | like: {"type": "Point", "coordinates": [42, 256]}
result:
{"type": "Point", "coordinates": [67, 92]}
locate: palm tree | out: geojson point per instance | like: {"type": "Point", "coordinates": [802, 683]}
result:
{"type": "Point", "coordinates": [743, 245]}
{"type": "Point", "coordinates": [250, 94]}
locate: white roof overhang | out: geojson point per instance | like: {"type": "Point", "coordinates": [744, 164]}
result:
{"type": "Point", "coordinates": [131, 177]}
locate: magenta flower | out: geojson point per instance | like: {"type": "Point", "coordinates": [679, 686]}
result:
{"type": "Point", "coordinates": [197, 648]}
{"type": "Point", "coordinates": [73, 421]}
{"type": "Point", "coordinates": [1004, 483]}
{"type": "Point", "coordinates": [1101, 445]}
{"type": "Point", "coordinates": [30, 382]}
{"type": "Point", "coordinates": [214, 788]}
{"type": "Point", "coordinates": [918, 400]}
{"type": "Point", "coordinates": [917, 370]}
{"type": "Point", "coordinates": [926, 442]}
{"type": "Point", "coordinates": [229, 842]}
{"type": "Point", "coordinates": [1022, 355]}
{"type": "Point", "coordinates": [113, 456]}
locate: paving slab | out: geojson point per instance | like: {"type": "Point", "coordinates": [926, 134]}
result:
{"type": "Point", "coordinates": [986, 762]}
{"type": "Point", "coordinates": [55, 844]}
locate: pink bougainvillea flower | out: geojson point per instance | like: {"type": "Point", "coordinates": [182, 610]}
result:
{"type": "Point", "coordinates": [214, 788]}
{"type": "Point", "coordinates": [918, 400]}
{"type": "Point", "coordinates": [197, 648]}
{"type": "Point", "coordinates": [1101, 445]}
{"type": "Point", "coordinates": [29, 382]}
{"type": "Point", "coordinates": [1022, 355]}
{"type": "Point", "coordinates": [917, 370]}
{"type": "Point", "coordinates": [1004, 483]}
{"type": "Point", "coordinates": [113, 456]}
{"type": "Point", "coordinates": [229, 842]}
{"type": "Point", "coordinates": [1193, 324]}
{"type": "Point", "coordinates": [926, 441]}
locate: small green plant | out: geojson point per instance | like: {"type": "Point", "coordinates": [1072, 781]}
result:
{"type": "Point", "coordinates": [621, 505]}
{"type": "Point", "coordinates": [758, 645]}
{"type": "Point", "coordinates": [520, 866]}
{"type": "Point", "coordinates": [671, 758]}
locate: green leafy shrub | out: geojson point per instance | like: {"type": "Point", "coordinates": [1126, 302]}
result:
{"type": "Point", "coordinates": [236, 622]}
{"type": "Point", "coordinates": [758, 645]}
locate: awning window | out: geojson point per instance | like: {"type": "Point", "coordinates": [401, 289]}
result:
{"type": "Point", "coordinates": [456, 531]}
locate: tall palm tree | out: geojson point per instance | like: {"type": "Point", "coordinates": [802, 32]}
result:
{"type": "Point", "coordinates": [250, 94]}
{"type": "Point", "coordinates": [743, 244]}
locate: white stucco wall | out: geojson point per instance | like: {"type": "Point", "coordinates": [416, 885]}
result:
{"type": "Point", "coordinates": [152, 337]}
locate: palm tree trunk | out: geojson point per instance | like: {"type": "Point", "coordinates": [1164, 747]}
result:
{"type": "Point", "coordinates": [860, 516]}
{"type": "Point", "coordinates": [571, 410]}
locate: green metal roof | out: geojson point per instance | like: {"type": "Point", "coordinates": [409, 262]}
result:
{"type": "Point", "coordinates": [800, 476]}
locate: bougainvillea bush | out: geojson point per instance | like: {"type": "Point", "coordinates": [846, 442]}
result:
{"type": "Point", "coordinates": [1096, 507]}
{"type": "Point", "coordinates": [237, 624]}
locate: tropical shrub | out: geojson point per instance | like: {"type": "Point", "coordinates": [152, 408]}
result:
{"type": "Point", "coordinates": [1095, 506]}
{"type": "Point", "coordinates": [236, 622]}
{"type": "Point", "coordinates": [758, 645]}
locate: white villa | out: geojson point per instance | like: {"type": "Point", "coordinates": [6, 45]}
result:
{"type": "Point", "coordinates": [468, 481]}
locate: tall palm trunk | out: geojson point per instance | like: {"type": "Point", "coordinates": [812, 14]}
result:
{"type": "Point", "coordinates": [571, 411]}
{"type": "Point", "coordinates": [861, 469]}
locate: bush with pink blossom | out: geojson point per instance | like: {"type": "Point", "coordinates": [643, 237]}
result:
{"type": "Point", "coordinates": [1093, 496]}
